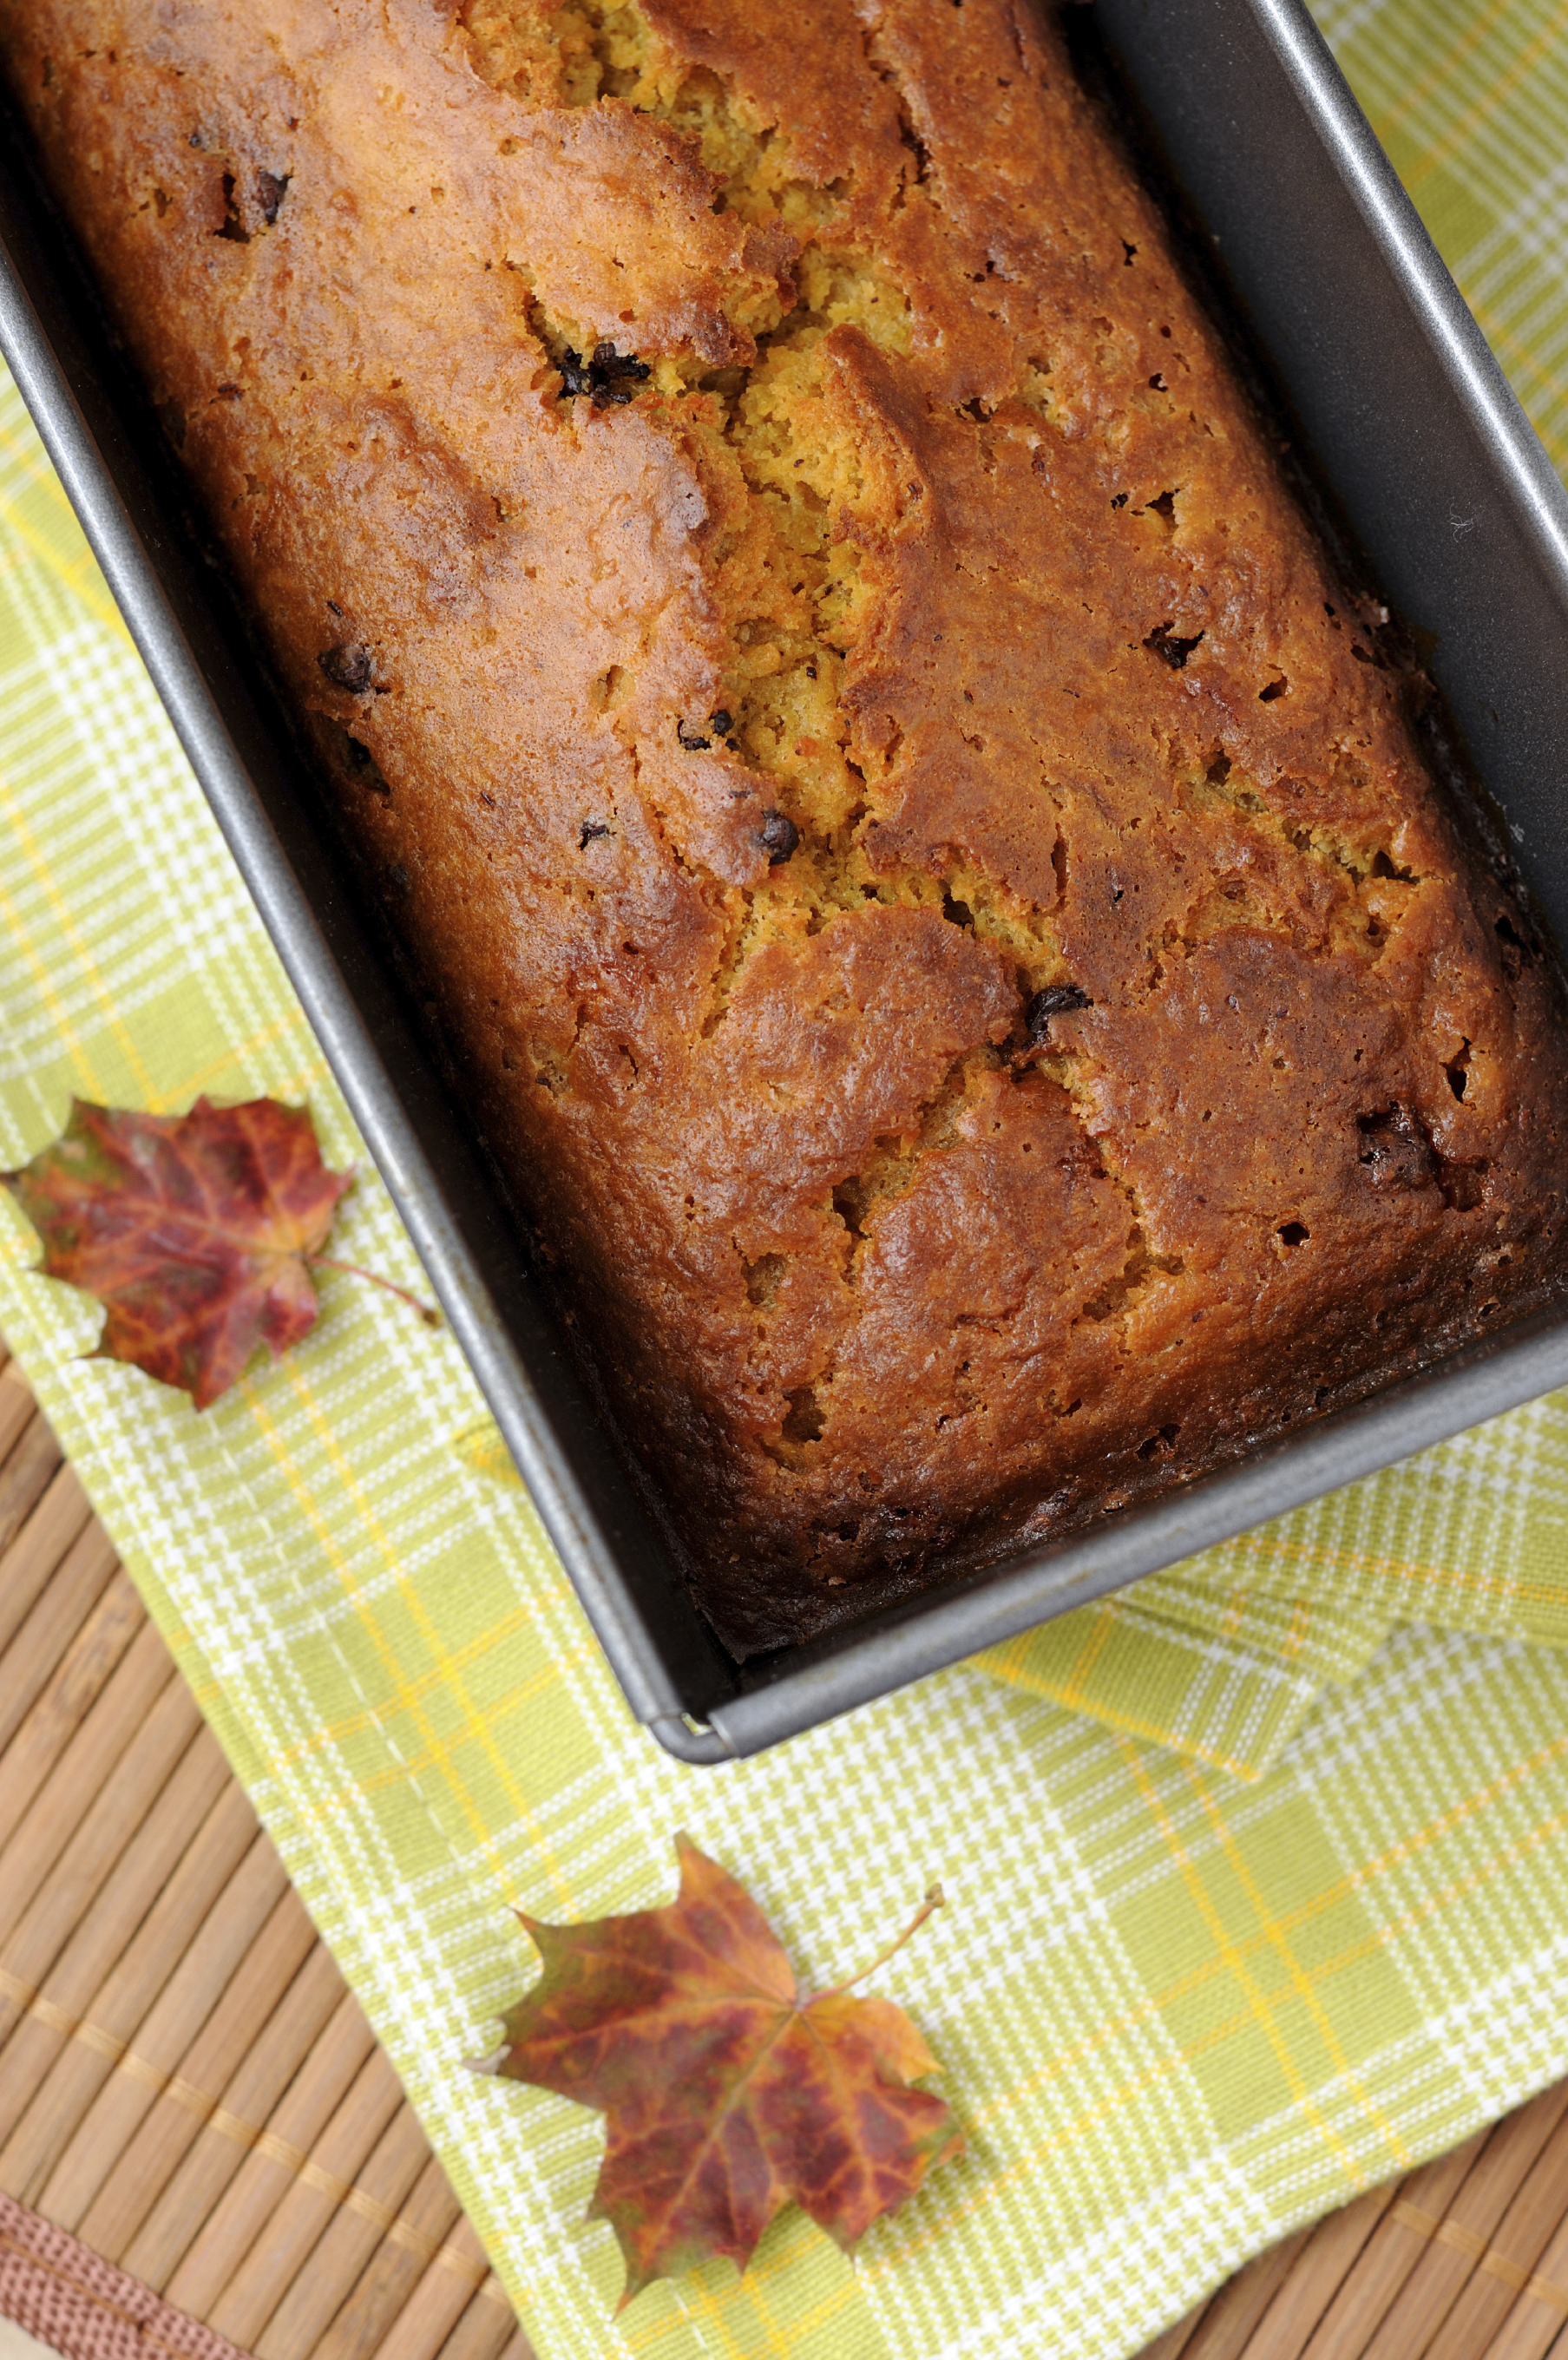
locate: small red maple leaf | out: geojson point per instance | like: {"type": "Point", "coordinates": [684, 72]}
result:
{"type": "Point", "coordinates": [728, 2095]}
{"type": "Point", "coordinates": [192, 1230]}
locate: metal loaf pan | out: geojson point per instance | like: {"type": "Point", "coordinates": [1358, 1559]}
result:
{"type": "Point", "coordinates": [1405, 418]}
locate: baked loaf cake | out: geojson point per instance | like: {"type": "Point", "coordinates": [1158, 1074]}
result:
{"type": "Point", "coordinates": [932, 880]}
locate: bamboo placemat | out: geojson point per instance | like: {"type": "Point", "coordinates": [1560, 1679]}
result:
{"type": "Point", "coordinates": [186, 2086]}
{"type": "Point", "coordinates": [189, 2094]}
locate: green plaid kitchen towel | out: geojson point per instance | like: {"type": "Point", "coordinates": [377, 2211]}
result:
{"type": "Point", "coordinates": [1179, 2010]}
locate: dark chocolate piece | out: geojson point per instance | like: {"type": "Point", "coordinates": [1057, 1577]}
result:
{"type": "Point", "coordinates": [347, 667]}
{"type": "Point", "coordinates": [1056, 999]}
{"type": "Point", "coordinates": [1165, 644]}
{"type": "Point", "coordinates": [608, 377]}
{"type": "Point", "coordinates": [778, 835]}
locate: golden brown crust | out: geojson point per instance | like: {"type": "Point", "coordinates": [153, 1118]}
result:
{"type": "Point", "coordinates": [932, 878]}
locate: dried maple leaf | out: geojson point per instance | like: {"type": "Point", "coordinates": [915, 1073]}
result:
{"type": "Point", "coordinates": [728, 2095]}
{"type": "Point", "coordinates": [192, 1229]}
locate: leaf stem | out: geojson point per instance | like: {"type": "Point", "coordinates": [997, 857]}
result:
{"type": "Point", "coordinates": [933, 1901]}
{"type": "Point", "coordinates": [427, 1311]}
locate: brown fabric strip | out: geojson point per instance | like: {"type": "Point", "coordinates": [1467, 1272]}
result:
{"type": "Point", "coordinates": [80, 2305]}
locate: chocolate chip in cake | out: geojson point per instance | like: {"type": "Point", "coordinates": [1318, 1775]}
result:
{"type": "Point", "coordinates": [1172, 650]}
{"type": "Point", "coordinates": [778, 835]}
{"type": "Point", "coordinates": [347, 667]}
{"type": "Point", "coordinates": [610, 393]}
{"type": "Point", "coordinates": [620, 369]}
{"type": "Point", "coordinates": [690, 736]}
{"type": "Point", "coordinates": [1056, 999]}
{"type": "Point", "coordinates": [591, 828]}
{"type": "Point", "coordinates": [608, 377]}
{"type": "Point", "coordinates": [720, 722]}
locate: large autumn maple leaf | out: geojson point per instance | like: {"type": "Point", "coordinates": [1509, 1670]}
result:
{"type": "Point", "coordinates": [192, 1230]}
{"type": "Point", "coordinates": [729, 2096]}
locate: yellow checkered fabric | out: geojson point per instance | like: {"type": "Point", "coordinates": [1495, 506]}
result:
{"type": "Point", "coordinates": [1179, 2010]}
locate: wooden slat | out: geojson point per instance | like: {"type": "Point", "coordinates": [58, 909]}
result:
{"type": "Point", "coordinates": [1225, 2327]}
{"type": "Point", "coordinates": [25, 1473]}
{"type": "Point", "coordinates": [239, 2219]}
{"type": "Point", "coordinates": [45, 1883]}
{"type": "Point", "coordinates": [81, 1723]}
{"type": "Point", "coordinates": [284, 2243]}
{"type": "Point", "coordinates": [487, 2329]}
{"type": "Point", "coordinates": [1536, 2202]}
{"type": "Point", "coordinates": [75, 1950]}
{"type": "Point", "coordinates": [34, 1588]}
{"type": "Point", "coordinates": [391, 2278]}
{"type": "Point", "coordinates": [1384, 2261]}
{"type": "Point", "coordinates": [209, 1914]}
{"type": "Point", "coordinates": [1535, 2321]}
{"type": "Point", "coordinates": [337, 2261]}
{"type": "Point", "coordinates": [175, 2113]}
{"type": "Point", "coordinates": [1448, 2251]}
{"type": "Point", "coordinates": [1176, 2340]}
{"type": "Point", "coordinates": [226, 2134]}
{"type": "Point", "coordinates": [16, 1405]}
{"type": "Point", "coordinates": [445, 2290]}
